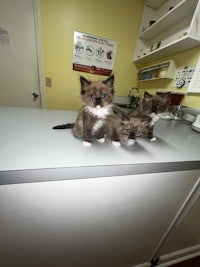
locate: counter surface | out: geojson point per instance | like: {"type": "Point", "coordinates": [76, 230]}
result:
{"type": "Point", "coordinates": [28, 143]}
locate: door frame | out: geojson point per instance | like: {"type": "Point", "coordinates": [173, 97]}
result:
{"type": "Point", "coordinates": [38, 38]}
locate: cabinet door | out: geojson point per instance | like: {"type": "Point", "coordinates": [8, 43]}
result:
{"type": "Point", "coordinates": [185, 241]}
{"type": "Point", "coordinates": [108, 221]}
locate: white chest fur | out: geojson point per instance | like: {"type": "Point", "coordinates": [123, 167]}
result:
{"type": "Point", "coordinates": [100, 112]}
{"type": "Point", "coordinates": [97, 126]}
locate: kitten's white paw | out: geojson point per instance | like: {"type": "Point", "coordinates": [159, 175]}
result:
{"type": "Point", "coordinates": [155, 118]}
{"type": "Point", "coordinates": [131, 142]}
{"type": "Point", "coordinates": [101, 140]}
{"type": "Point", "coordinates": [87, 144]}
{"type": "Point", "coordinates": [116, 143]}
{"type": "Point", "coordinates": [153, 139]}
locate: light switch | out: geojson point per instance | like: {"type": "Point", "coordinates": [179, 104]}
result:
{"type": "Point", "coordinates": [48, 82]}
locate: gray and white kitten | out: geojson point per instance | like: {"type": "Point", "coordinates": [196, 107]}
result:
{"type": "Point", "coordinates": [152, 107]}
{"type": "Point", "coordinates": [126, 129]}
{"type": "Point", "coordinates": [155, 104]}
{"type": "Point", "coordinates": [91, 121]}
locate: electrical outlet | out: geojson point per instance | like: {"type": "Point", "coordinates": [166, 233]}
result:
{"type": "Point", "coordinates": [48, 82]}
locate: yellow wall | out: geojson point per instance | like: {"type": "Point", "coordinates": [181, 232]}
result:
{"type": "Point", "coordinates": [186, 58]}
{"type": "Point", "coordinates": [112, 19]}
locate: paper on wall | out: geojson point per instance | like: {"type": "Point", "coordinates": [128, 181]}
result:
{"type": "Point", "coordinates": [93, 54]}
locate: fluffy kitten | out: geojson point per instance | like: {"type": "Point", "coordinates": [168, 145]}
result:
{"type": "Point", "coordinates": [126, 129]}
{"type": "Point", "coordinates": [155, 104]}
{"type": "Point", "coordinates": [152, 106]}
{"type": "Point", "coordinates": [138, 114]}
{"type": "Point", "coordinates": [97, 107]}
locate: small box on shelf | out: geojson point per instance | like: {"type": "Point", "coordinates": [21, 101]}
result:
{"type": "Point", "coordinates": [163, 70]}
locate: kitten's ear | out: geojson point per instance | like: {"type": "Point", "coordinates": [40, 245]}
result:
{"type": "Point", "coordinates": [166, 97]}
{"type": "Point", "coordinates": [110, 82]}
{"type": "Point", "coordinates": [146, 121]}
{"type": "Point", "coordinates": [84, 83]}
{"type": "Point", "coordinates": [125, 117]}
{"type": "Point", "coordinates": [147, 95]}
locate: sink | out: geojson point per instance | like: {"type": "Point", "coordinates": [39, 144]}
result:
{"type": "Point", "coordinates": [122, 100]}
{"type": "Point", "coordinates": [192, 111]}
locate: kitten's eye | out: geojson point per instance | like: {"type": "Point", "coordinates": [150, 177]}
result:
{"type": "Point", "coordinates": [158, 106]}
{"type": "Point", "coordinates": [103, 95]}
{"type": "Point", "coordinates": [150, 105]}
{"type": "Point", "coordinates": [137, 132]}
{"type": "Point", "coordinates": [128, 131]}
{"type": "Point", "coordinates": [92, 96]}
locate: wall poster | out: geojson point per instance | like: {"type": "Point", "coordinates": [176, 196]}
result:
{"type": "Point", "coordinates": [93, 54]}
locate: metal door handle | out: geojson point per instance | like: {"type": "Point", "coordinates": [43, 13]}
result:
{"type": "Point", "coordinates": [35, 95]}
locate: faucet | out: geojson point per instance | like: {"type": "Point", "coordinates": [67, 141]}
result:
{"type": "Point", "coordinates": [135, 103]}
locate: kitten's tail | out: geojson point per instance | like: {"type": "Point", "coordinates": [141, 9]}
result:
{"type": "Point", "coordinates": [64, 126]}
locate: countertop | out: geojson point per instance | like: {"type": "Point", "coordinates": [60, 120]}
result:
{"type": "Point", "coordinates": [31, 151]}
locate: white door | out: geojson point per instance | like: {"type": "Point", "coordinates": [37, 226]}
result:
{"type": "Point", "coordinates": [19, 69]}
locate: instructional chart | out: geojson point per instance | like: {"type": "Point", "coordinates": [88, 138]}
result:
{"type": "Point", "coordinates": [93, 54]}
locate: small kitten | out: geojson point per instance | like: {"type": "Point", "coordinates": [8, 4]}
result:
{"type": "Point", "coordinates": [124, 129]}
{"type": "Point", "coordinates": [138, 114]}
{"type": "Point", "coordinates": [152, 106]}
{"type": "Point", "coordinates": [155, 104]}
{"type": "Point", "coordinates": [97, 107]}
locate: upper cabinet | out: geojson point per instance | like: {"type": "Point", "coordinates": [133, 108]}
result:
{"type": "Point", "coordinates": [167, 27]}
